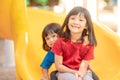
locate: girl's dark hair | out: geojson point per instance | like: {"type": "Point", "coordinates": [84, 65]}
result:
{"type": "Point", "coordinates": [65, 32]}
{"type": "Point", "coordinates": [50, 28]}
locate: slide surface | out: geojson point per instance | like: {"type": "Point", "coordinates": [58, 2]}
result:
{"type": "Point", "coordinates": [27, 25]}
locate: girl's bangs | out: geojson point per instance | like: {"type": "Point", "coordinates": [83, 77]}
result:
{"type": "Point", "coordinates": [49, 32]}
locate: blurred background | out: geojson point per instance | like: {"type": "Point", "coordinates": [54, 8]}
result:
{"type": "Point", "coordinates": [105, 11]}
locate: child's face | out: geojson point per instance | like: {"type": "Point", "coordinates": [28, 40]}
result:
{"type": "Point", "coordinates": [51, 38]}
{"type": "Point", "coordinates": [77, 23]}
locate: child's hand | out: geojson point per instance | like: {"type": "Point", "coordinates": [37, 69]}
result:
{"type": "Point", "coordinates": [78, 77]}
{"type": "Point", "coordinates": [44, 78]}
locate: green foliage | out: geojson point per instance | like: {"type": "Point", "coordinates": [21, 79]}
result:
{"type": "Point", "coordinates": [27, 2]}
{"type": "Point", "coordinates": [42, 2]}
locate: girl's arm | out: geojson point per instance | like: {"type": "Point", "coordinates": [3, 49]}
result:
{"type": "Point", "coordinates": [45, 74]}
{"type": "Point", "coordinates": [46, 64]}
{"type": "Point", "coordinates": [60, 67]}
{"type": "Point", "coordinates": [83, 68]}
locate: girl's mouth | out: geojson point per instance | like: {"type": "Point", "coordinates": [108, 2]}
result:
{"type": "Point", "coordinates": [75, 27]}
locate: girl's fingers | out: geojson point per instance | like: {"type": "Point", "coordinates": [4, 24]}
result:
{"type": "Point", "coordinates": [76, 75]}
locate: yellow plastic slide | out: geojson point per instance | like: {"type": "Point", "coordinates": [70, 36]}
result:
{"type": "Point", "coordinates": [27, 25]}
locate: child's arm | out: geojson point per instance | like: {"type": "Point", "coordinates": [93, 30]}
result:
{"type": "Point", "coordinates": [83, 68]}
{"type": "Point", "coordinates": [84, 64]}
{"type": "Point", "coordinates": [46, 64]}
{"type": "Point", "coordinates": [61, 68]}
{"type": "Point", "coordinates": [45, 74]}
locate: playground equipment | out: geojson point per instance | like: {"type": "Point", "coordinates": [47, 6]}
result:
{"type": "Point", "coordinates": [27, 24]}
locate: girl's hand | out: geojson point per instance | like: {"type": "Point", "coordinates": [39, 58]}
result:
{"type": "Point", "coordinates": [77, 75]}
{"type": "Point", "coordinates": [79, 78]}
{"type": "Point", "coordinates": [80, 74]}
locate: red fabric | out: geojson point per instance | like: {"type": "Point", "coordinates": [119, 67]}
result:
{"type": "Point", "coordinates": [73, 53]}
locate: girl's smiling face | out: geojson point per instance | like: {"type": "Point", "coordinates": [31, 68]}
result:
{"type": "Point", "coordinates": [51, 38]}
{"type": "Point", "coordinates": [77, 23]}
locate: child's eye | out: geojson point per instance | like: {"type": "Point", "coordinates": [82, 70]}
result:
{"type": "Point", "coordinates": [47, 38]}
{"type": "Point", "coordinates": [81, 19]}
{"type": "Point", "coordinates": [72, 18]}
{"type": "Point", "coordinates": [54, 36]}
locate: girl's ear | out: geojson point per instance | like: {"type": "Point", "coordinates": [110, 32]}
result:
{"type": "Point", "coordinates": [85, 27]}
{"type": "Point", "coordinates": [86, 30]}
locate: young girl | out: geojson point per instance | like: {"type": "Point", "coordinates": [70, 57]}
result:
{"type": "Point", "coordinates": [49, 36]}
{"type": "Point", "coordinates": [72, 54]}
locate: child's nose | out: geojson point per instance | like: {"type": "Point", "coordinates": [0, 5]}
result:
{"type": "Point", "coordinates": [51, 39]}
{"type": "Point", "coordinates": [77, 21]}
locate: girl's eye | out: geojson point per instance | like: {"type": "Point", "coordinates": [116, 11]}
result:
{"type": "Point", "coordinates": [47, 38]}
{"type": "Point", "coordinates": [54, 36]}
{"type": "Point", "coordinates": [72, 18]}
{"type": "Point", "coordinates": [80, 19]}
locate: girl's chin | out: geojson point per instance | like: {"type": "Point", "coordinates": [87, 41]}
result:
{"type": "Point", "coordinates": [76, 32]}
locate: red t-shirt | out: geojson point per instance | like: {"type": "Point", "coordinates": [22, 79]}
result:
{"type": "Point", "coordinates": [73, 52]}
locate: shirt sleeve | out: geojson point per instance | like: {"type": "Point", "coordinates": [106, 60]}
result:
{"type": "Point", "coordinates": [57, 47]}
{"type": "Point", "coordinates": [48, 60]}
{"type": "Point", "coordinates": [90, 54]}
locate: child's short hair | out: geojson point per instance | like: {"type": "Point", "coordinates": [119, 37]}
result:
{"type": "Point", "coordinates": [49, 28]}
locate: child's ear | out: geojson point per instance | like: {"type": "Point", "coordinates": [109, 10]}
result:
{"type": "Point", "coordinates": [87, 33]}
{"type": "Point", "coordinates": [85, 27]}
{"type": "Point", "coordinates": [86, 30]}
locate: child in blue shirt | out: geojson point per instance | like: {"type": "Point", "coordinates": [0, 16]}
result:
{"type": "Point", "coordinates": [49, 36]}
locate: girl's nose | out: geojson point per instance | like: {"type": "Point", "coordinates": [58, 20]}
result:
{"type": "Point", "coordinates": [51, 39]}
{"type": "Point", "coordinates": [76, 21]}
